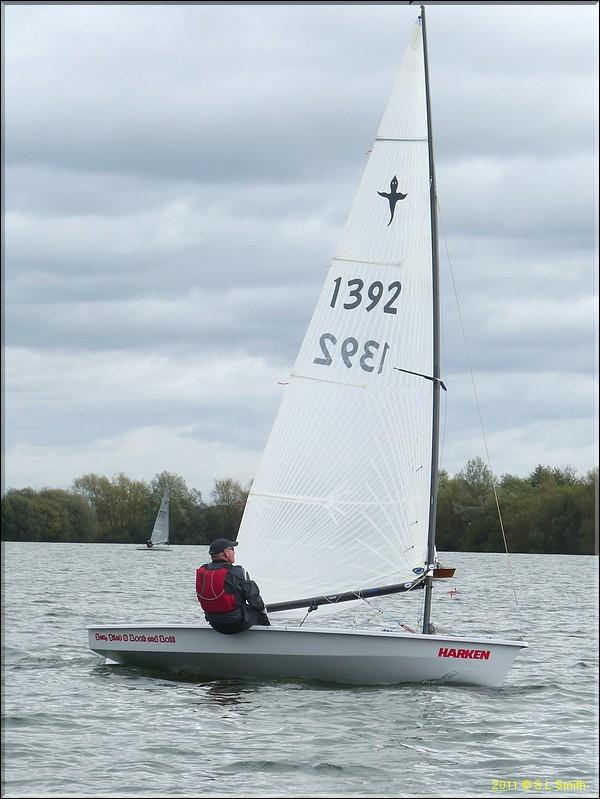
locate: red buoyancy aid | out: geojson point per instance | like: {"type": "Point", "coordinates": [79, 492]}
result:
{"type": "Point", "coordinates": [210, 590]}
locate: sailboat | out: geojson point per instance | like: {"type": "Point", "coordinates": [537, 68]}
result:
{"type": "Point", "coordinates": [159, 540]}
{"type": "Point", "coordinates": [343, 507]}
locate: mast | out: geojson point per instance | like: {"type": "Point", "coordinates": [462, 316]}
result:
{"type": "Point", "coordinates": [436, 345]}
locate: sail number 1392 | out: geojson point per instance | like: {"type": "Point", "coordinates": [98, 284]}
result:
{"type": "Point", "coordinates": [370, 296]}
{"type": "Point", "coordinates": [370, 356]}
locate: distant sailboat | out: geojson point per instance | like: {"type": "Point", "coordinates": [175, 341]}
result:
{"type": "Point", "coordinates": [159, 540]}
{"type": "Point", "coordinates": [343, 507]}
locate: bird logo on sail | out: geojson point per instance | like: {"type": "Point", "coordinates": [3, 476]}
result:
{"type": "Point", "coordinates": [392, 197]}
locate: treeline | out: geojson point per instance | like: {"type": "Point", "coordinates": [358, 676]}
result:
{"type": "Point", "coordinates": [122, 511]}
{"type": "Point", "coordinates": [552, 510]}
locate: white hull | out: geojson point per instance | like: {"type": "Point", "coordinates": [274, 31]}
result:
{"type": "Point", "coordinates": [344, 656]}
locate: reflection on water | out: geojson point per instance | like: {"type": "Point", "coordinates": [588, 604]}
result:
{"type": "Point", "coordinates": [227, 693]}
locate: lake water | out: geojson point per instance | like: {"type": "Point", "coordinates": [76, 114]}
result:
{"type": "Point", "coordinates": [74, 726]}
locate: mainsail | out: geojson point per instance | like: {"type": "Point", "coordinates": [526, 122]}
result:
{"type": "Point", "coordinates": [160, 532]}
{"type": "Point", "coordinates": [341, 500]}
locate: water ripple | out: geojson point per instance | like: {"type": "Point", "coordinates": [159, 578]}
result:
{"type": "Point", "coordinates": [74, 726]}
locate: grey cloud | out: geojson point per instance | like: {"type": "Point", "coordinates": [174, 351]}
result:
{"type": "Point", "coordinates": [180, 105]}
{"type": "Point", "coordinates": [81, 423]}
{"type": "Point", "coordinates": [177, 178]}
{"type": "Point", "coordinates": [266, 322]}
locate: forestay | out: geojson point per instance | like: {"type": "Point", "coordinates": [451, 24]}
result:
{"type": "Point", "coordinates": [341, 500]}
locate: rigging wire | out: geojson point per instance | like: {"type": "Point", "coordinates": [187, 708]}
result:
{"type": "Point", "coordinates": [387, 616]}
{"type": "Point", "coordinates": [470, 366]}
{"type": "Point", "coordinates": [443, 436]}
{"type": "Point", "coordinates": [420, 611]}
{"type": "Point", "coordinates": [373, 607]}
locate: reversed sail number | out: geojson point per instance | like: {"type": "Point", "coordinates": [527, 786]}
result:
{"type": "Point", "coordinates": [374, 294]}
{"type": "Point", "coordinates": [349, 348]}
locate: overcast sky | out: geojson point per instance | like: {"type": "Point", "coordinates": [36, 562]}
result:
{"type": "Point", "coordinates": [177, 177]}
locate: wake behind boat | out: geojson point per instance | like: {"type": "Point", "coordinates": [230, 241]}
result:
{"type": "Point", "coordinates": [159, 540]}
{"type": "Point", "coordinates": [352, 460]}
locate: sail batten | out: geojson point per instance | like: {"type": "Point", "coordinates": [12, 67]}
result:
{"type": "Point", "coordinates": [299, 376]}
{"type": "Point", "coordinates": [380, 138]}
{"type": "Point", "coordinates": [328, 501]}
{"type": "Point", "coordinates": [363, 261]}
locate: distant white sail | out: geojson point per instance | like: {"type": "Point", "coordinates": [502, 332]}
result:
{"type": "Point", "coordinates": [160, 532]}
{"type": "Point", "coordinates": [341, 500]}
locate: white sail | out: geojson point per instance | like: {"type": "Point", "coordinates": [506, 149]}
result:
{"type": "Point", "coordinates": [160, 532]}
{"type": "Point", "coordinates": [341, 500]}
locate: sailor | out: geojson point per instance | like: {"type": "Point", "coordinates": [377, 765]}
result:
{"type": "Point", "coordinates": [231, 601]}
